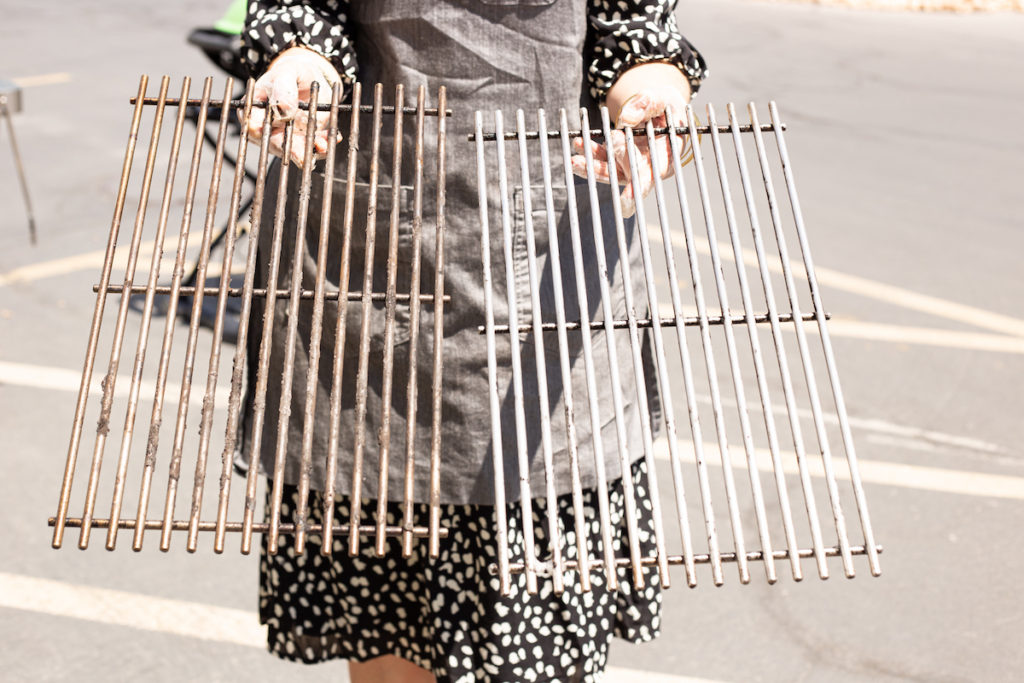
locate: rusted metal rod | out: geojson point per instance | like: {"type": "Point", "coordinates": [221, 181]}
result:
{"type": "Point", "coordinates": [97, 320]}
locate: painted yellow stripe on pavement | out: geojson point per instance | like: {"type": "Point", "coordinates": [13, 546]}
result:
{"type": "Point", "coordinates": [962, 482]}
{"type": "Point", "coordinates": [925, 336]}
{"type": "Point", "coordinates": [61, 379]}
{"type": "Point", "coordinates": [93, 260]}
{"type": "Point", "coordinates": [183, 618]}
{"type": "Point", "coordinates": [42, 79]}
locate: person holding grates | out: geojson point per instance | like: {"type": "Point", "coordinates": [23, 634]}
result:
{"type": "Point", "coordinates": [418, 618]}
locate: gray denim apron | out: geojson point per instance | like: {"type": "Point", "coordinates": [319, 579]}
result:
{"type": "Point", "coordinates": [490, 55]}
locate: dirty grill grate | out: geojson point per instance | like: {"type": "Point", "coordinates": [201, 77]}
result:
{"type": "Point", "coordinates": [713, 400]}
{"type": "Point", "coordinates": [143, 464]}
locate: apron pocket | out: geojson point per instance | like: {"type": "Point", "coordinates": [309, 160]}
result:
{"type": "Point", "coordinates": [357, 261]}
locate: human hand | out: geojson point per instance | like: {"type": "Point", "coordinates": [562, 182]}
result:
{"type": "Point", "coordinates": [287, 82]}
{"type": "Point", "coordinates": [649, 104]}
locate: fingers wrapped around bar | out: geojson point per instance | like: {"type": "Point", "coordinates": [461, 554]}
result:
{"type": "Point", "coordinates": [663, 106]}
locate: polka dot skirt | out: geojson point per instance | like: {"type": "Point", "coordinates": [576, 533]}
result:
{"type": "Point", "coordinates": [447, 615]}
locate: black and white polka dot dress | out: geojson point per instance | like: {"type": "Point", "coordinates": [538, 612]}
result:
{"type": "Point", "coordinates": [447, 615]}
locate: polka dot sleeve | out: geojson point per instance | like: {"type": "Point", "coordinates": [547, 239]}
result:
{"type": "Point", "coordinates": [320, 25]}
{"type": "Point", "coordinates": [624, 33]}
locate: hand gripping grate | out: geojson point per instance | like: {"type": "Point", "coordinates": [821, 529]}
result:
{"type": "Point", "coordinates": [690, 336]}
{"type": "Point", "coordinates": [169, 451]}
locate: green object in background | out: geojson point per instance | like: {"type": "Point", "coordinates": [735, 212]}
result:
{"type": "Point", "coordinates": [233, 20]}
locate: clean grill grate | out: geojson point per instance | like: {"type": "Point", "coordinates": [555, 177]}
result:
{"type": "Point", "coordinates": [688, 341]}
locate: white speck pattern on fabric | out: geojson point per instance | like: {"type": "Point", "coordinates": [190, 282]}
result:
{"type": "Point", "coordinates": [447, 615]}
{"type": "Point", "coordinates": [621, 34]}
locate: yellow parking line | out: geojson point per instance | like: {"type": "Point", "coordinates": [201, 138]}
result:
{"type": "Point", "coordinates": [42, 79]}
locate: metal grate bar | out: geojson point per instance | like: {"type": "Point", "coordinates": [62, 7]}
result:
{"type": "Point", "coordinates": [147, 315]}
{"type": "Point", "coordinates": [622, 438]}
{"type": "Point", "coordinates": [384, 435]}
{"type": "Point", "coordinates": [273, 399]}
{"type": "Point", "coordinates": [737, 380]}
{"type": "Point", "coordinates": [288, 374]}
{"type": "Point", "coordinates": [634, 344]}
{"type": "Point", "coordinates": [564, 362]}
{"type": "Point", "coordinates": [103, 426]}
{"type": "Point", "coordinates": [642, 323]}
{"type": "Point", "coordinates": [826, 346]}
{"type": "Point", "coordinates": [218, 332]}
{"type": "Point", "coordinates": [414, 324]}
{"type": "Point", "coordinates": [525, 493]}
{"type": "Point", "coordinates": [642, 280]}
{"type": "Point", "coordinates": [364, 339]}
{"type": "Point", "coordinates": [598, 134]}
{"type": "Point", "coordinates": [588, 361]}
{"type": "Point", "coordinates": [435, 390]}
{"type": "Point", "coordinates": [340, 330]}
{"type": "Point", "coordinates": [759, 372]}
{"type": "Point", "coordinates": [774, 318]}
{"type": "Point", "coordinates": [504, 572]}
{"type": "Point", "coordinates": [388, 110]}
{"type": "Point", "coordinates": [281, 293]}
{"type": "Point", "coordinates": [805, 357]}
{"type": "Point", "coordinates": [316, 328]}
{"type": "Point", "coordinates": [94, 330]}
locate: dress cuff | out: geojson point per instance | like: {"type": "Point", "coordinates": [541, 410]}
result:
{"type": "Point", "coordinates": [270, 31]}
{"type": "Point", "coordinates": [621, 45]}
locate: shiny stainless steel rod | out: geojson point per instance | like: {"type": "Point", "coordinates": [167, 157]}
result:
{"type": "Point", "coordinates": [661, 369]}
{"type": "Point", "coordinates": [316, 327]}
{"type": "Point", "coordinates": [826, 345]}
{"type": "Point", "coordinates": [340, 328]}
{"type": "Point", "coordinates": [209, 397]}
{"type": "Point", "coordinates": [838, 517]}
{"type": "Point", "coordinates": [435, 433]}
{"type": "Point", "coordinates": [646, 429]}
{"type": "Point", "coordinates": [284, 407]}
{"type": "Point", "coordinates": [362, 375]}
{"type": "Point", "coordinates": [78, 421]}
{"type": "Point", "coordinates": [732, 354]}
{"type": "Point", "coordinates": [525, 493]}
{"type": "Point", "coordinates": [504, 575]}
{"type": "Point", "coordinates": [554, 257]}
{"type": "Point", "coordinates": [107, 404]}
{"type": "Point", "coordinates": [579, 269]}
{"type": "Point", "coordinates": [691, 400]}
{"type": "Point", "coordinates": [411, 393]}
{"type": "Point", "coordinates": [766, 402]}
{"type": "Point", "coordinates": [540, 361]}
{"type": "Point", "coordinates": [709, 360]}
{"type": "Point", "coordinates": [174, 470]}
{"type": "Point", "coordinates": [604, 279]}
{"type": "Point", "coordinates": [144, 324]}
{"type": "Point", "coordinates": [387, 380]}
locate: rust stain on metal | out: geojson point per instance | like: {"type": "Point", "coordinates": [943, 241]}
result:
{"type": "Point", "coordinates": [206, 303]}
